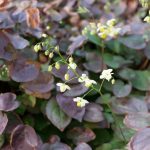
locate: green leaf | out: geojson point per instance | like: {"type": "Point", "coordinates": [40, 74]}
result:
{"type": "Point", "coordinates": [56, 115]}
{"type": "Point", "coordinates": [139, 79]}
{"type": "Point", "coordinates": [133, 41]}
{"type": "Point", "coordinates": [120, 89]}
{"type": "Point", "coordinates": [94, 39]}
{"type": "Point", "coordinates": [114, 61]}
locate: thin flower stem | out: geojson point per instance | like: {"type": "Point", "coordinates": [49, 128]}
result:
{"type": "Point", "coordinates": [87, 93]}
{"type": "Point", "coordinates": [71, 79]}
{"type": "Point", "coordinates": [101, 85]}
{"type": "Point", "coordinates": [99, 91]}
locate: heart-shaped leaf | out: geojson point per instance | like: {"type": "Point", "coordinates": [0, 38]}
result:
{"type": "Point", "coordinates": [79, 135]}
{"type": "Point", "coordinates": [56, 115]}
{"type": "Point", "coordinates": [139, 79]}
{"type": "Point", "coordinates": [137, 121]}
{"type": "Point", "coordinates": [17, 41]}
{"type": "Point", "coordinates": [140, 141]}
{"type": "Point", "coordinates": [120, 89]}
{"type": "Point", "coordinates": [22, 70]}
{"type": "Point", "coordinates": [115, 61]}
{"type": "Point", "coordinates": [94, 62]}
{"type": "Point", "coordinates": [129, 105]}
{"type": "Point", "coordinates": [8, 102]}
{"type": "Point", "coordinates": [24, 137]}
{"type": "Point", "coordinates": [69, 107]}
{"type": "Point", "coordinates": [133, 41]}
{"type": "Point", "coordinates": [93, 113]}
{"type": "Point", "coordinates": [55, 146]}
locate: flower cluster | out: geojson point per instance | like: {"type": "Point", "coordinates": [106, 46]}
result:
{"type": "Point", "coordinates": [105, 75]}
{"type": "Point", "coordinates": [84, 79]}
{"type": "Point", "coordinates": [103, 30]}
{"type": "Point", "coordinates": [50, 50]}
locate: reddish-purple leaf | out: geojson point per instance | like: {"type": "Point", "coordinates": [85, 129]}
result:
{"type": "Point", "coordinates": [93, 113]}
{"type": "Point", "coordinates": [76, 90]}
{"type": "Point", "coordinates": [140, 141]}
{"type": "Point", "coordinates": [41, 85]}
{"type": "Point", "coordinates": [137, 121]}
{"type": "Point", "coordinates": [94, 62]}
{"type": "Point", "coordinates": [79, 135]}
{"type": "Point", "coordinates": [17, 41]}
{"type": "Point", "coordinates": [3, 122]}
{"type": "Point", "coordinates": [83, 146]}
{"type": "Point", "coordinates": [77, 42]}
{"type": "Point", "coordinates": [56, 115]}
{"type": "Point", "coordinates": [129, 105]}
{"type": "Point", "coordinates": [22, 70]}
{"type": "Point", "coordinates": [3, 43]}
{"type": "Point", "coordinates": [8, 102]}
{"type": "Point", "coordinates": [5, 20]}
{"type": "Point", "coordinates": [13, 121]}
{"type": "Point", "coordinates": [55, 146]}
{"type": "Point", "coordinates": [24, 137]}
{"type": "Point", "coordinates": [69, 107]}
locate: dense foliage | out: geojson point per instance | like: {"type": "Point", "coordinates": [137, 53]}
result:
{"type": "Point", "coordinates": [36, 39]}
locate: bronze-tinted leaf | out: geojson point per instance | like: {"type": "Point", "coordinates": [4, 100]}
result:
{"type": "Point", "coordinates": [3, 4]}
{"type": "Point", "coordinates": [93, 113]}
{"type": "Point", "coordinates": [140, 141]}
{"type": "Point", "coordinates": [24, 137]}
{"type": "Point", "coordinates": [56, 115]}
{"type": "Point", "coordinates": [69, 107]}
{"type": "Point", "coordinates": [79, 135]}
{"type": "Point", "coordinates": [22, 70]}
{"type": "Point", "coordinates": [3, 122]}
{"type": "Point", "coordinates": [33, 17]}
{"type": "Point", "coordinates": [8, 102]}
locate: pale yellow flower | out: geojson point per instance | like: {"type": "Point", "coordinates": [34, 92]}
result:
{"type": "Point", "coordinates": [80, 101]}
{"type": "Point", "coordinates": [63, 87]}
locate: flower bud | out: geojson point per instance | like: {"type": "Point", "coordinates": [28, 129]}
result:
{"type": "Point", "coordinates": [48, 27]}
{"type": "Point", "coordinates": [66, 76]}
{"type": "Point", "coordinates": [70, 60]}
{"type": "Point", "coordinates": [46, 52]}
{"type": "Point", "coordinates": [57, 65]}
{"type": "Point", "coordinates": [113, 81]}
{"type": "Point", "coordinates": [56, 48]}
{"type": "Point", "coordinates": [37, 48]}
{"type": "Point", "coordinates": [51, 55]}
{"type": "Point", "coordinates": [44, 35]}
{"type": "Point", "coordinates": [50, 68]}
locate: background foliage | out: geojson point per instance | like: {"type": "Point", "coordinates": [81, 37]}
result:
{"type": "Point", "coordinates": [34, 115]}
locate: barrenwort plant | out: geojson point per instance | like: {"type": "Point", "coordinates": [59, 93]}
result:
{"type": "Point", "coordinates": [74, 75]}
